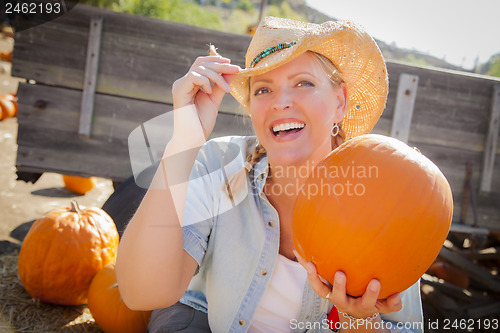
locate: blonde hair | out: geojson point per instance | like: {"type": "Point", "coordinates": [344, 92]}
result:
{"type": "Point", "coordinates": [335, 76]}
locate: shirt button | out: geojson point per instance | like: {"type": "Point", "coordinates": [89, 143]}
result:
{"type": "Point", "coordinates": [261, 176]}
{"type": "Point", "coordinates": [271, 223]}
{"type": "Point", "coordinates": [243, 322]}
{"type": "Point", "coordinates": [263, 272]}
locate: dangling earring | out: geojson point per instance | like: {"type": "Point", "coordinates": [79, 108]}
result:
{"type": "Point", "coordinates": [335, 129]}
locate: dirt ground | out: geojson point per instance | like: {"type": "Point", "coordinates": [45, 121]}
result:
{"type": "Point", "coordinates": [21, 203]}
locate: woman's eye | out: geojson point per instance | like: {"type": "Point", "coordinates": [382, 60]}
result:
{"type": "Point", "coordinates": [305, 84]}
{"type": "Point", "coordinates": [261, 91]}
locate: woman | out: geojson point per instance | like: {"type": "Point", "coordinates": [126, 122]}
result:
{"type": "Point", "coordinates": [216, 252]}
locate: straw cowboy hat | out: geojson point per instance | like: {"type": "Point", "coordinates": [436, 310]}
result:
{"type": "Point", "coordinates": [354, 52]}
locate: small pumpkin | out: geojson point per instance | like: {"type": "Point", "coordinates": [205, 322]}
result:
{"type": "Point", "coordinates": [107, 307]}
{"type": "Point", "coordinates": [8, 106]}
{"type": "Point", "coordinates": [374, 208]}
{"type": "Point", "coordinates": [449, 274]}
{"type": "Point", "coordinates": [13, 97]}
{"type": "Point", "coordinates": [63, 251]}
{"type": "Point", "coordinates": [6, 56]}
{"type": "Point", "coordinates": [79, 185]}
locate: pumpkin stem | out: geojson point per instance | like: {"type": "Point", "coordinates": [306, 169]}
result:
{"type": "Point", "coordinates": [75, 208]}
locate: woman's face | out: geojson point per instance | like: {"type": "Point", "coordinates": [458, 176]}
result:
{"type": "Point", "coordinates": [293, 109]}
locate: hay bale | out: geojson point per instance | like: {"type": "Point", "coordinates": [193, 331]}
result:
{"type": "Point", "coordinates": [20, 313]}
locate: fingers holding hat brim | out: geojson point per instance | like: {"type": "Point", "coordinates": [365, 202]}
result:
{"type": "Point", "coordinates": [210, 58]}
{"type": "Point", "coordinates": [207, 73]}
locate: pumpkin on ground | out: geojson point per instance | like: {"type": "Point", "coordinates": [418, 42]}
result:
{"type": "Point", "coordinates": [63, 251]}
{"type": "Point", "coordinates": [6, 56]}
{"type": "Point", "coordinates": [107, 307]}
{"type": "Point", "coordinates": [8, 106]}
{"type": "Point", "coordinates": [374, 208]}
{"type": "Point", "coordinates": [79, 185]}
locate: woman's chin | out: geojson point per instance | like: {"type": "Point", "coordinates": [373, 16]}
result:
{"type": "Point", "coordinates": [288, 157]}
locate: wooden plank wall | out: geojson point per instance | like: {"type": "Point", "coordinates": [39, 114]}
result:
{"type": "Point", "coordinates": [449, 125]}
{"type": "Point", "coordinates": [140, 58]}
{"type": "Point", "coordinates": [48, 137]}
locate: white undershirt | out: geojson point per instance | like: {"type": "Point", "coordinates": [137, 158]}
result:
{"type": "Point", "coordinates": [282, 299]}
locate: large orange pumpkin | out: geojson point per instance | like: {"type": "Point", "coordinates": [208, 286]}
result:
{"type": "Point", "coordinates": [63, 251]}
{"type": "Point", "coordinates": [107, 307]}
{"type": "Point", "coordinates": [79, 185]}
{"type": "Point", "coordinates": [374, 208]}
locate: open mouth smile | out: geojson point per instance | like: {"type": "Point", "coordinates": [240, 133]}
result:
{"type": "Point", "coordinates": [285, 129]}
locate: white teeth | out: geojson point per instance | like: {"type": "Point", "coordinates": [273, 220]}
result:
{"type": "Point", "coordinates": [288, 126]}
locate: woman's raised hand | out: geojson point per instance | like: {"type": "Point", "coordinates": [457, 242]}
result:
{"type": "Point", "coordinates": [359, 307]}
{"type": "Point", "coordinates": [204, 86]}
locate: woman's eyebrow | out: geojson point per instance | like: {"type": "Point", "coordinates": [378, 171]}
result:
{"type": "Point", "coordinates": [261, 80]}
{"type": "Point", "coordinates": [300, 73]}
{"type": "Point", "coordinates": [291, 76]}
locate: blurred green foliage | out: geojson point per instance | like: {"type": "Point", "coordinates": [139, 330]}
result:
{"type": "Point", "coordinates": [284, 10]}
{"type": "Point", "coordinates": [99, 3]}
{"type": "Point", "coordinates": [412, 59]}
{"type": "Point", "coordinates": [245, 5]}
{"type": "Point", "coordinates": [494, 67]}
{"type": "Point", "coordinates": [491, 67]}
{"type": "Point", "coordinates": [224, 15]}
{"type": "Point", "coordinates": [187, 12]}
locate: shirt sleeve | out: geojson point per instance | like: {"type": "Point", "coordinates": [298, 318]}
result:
{"type": "Point", "coordinates": [410, 318]}
{"type": "Point", "coordinates": [199, 207]}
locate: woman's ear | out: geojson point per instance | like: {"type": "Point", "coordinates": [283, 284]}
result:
{"type": "Point", "coordinates": [342, 101]}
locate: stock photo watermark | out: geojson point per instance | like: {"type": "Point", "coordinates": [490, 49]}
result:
{"type": "Point", "coordinates": [26, 14]}
{"type": "Point", "coordinates": [338, 180]}
{"type": "Point", "coordinates": [451, 325]}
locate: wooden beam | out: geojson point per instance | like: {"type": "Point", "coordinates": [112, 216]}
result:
{"type": "Point", "coordinates": [466, 229]}
{"type": "Point", "coordinates": [454, 291]}
{"type": "Point", "coordinates": [491, 253]}
{"type": "Point", "coordinates": [491, 142]}
{"type": "Point", "coordinates": [482, 310]}
{"type": "Point", "coordinates": [48, 139]}
{"type": "Point", "coordinates": [90, 78]}
{"type": "Point", "coordinates": [474, 271]}
{"type": "Point", "coordinates": [405, 102]}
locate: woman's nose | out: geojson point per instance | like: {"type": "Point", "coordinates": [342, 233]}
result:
{"type": "Point", "coordinates": [283, 99]}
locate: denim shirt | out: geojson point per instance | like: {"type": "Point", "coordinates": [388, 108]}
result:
{"type": "Point", "coordinates": [236, 243]}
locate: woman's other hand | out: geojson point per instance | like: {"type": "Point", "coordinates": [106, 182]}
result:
{"type": "Point", "coordinates": [359, 307]}
{"type": "Point", "coordinates": [204, 86]}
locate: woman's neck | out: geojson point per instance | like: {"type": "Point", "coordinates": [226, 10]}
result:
{"type": "Point", "coordinates": [286, 182]}
{"type": "Point", "coordinates": [282, 188]}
